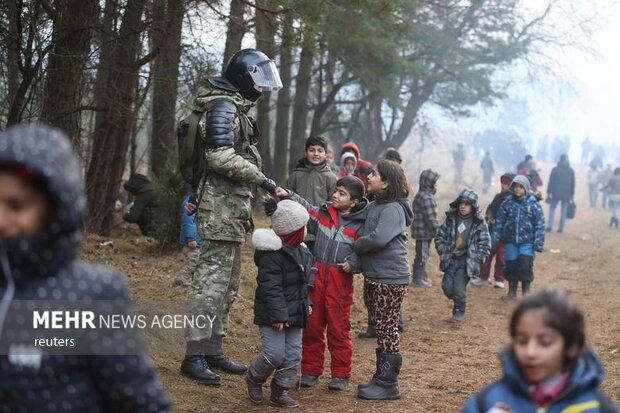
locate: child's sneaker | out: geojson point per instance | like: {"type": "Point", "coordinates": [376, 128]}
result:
{"type": "Point", "coordinates": [339, 384]}
{"type": "Point", "coordinates": [479, 282]}
{"type": "Point", "coordinates": [458, 317]}
{"type": "Point", "coordinates": [498, 284]}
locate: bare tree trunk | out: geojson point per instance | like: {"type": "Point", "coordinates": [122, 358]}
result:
{"type": "Point", "coordinates": [300, 108]}
{"type": "Point", "coordinates": [12, 44]}
{"type": "Point", "coordinates": [265, 33]}
{"type": "Point", "coordinates": [73, 22]}
{"type": "Point", "coordinates": [169, 22]}
{"type": "Point", "coordinates": [235, 30]}
{"type": "Point", "coordinates": [111, 138]}
{"type": "Point", "coordinates": [281, 144]}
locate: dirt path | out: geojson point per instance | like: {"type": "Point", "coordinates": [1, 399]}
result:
{"type": "Point", "coordinates": [443, 364]}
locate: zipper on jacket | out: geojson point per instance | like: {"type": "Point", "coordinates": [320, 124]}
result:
{"type": "Point", "coordinates": [518, 222]}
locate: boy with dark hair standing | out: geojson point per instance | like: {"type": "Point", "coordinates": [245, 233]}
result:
{"type": "Point", "coordinates": [312, 178]}
{"type": "Point", "coordinates": [336, 226]}
{"type": "Point", "coordinates": [424, 226]}
{"type": "Point", "coordinates": [462, 242]}
{"type": "Point", "coordinates": [520, 225]}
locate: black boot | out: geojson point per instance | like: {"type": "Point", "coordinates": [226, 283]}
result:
{"type": "Point", "coordinates": [401, 322]}
{"type": "Point", "coordinates": [195, 367]}
{"type": "Point", "coordinates": [512, 289]}
{"type": "Point", "coordinates": [370, 332]}
{"type": "Point", "coordinates": [384, 384]}
{"type": "Point", "coordinates": [221, 362]}
{"type": "Point", "coordinates": [377, 359]}
{"type": "Point", "coordinates": [215, 357]}
{"type": "Point", "coordinates": [525, 288]}
{"type": "Point", "coordinates": [616, 222]}
{"type": "Point", "coordinates": [612, 222]}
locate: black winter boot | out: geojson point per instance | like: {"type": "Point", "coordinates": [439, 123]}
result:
{"type": "Point", "coordinates": [525, 288]}
{"type": "Point", "coordinates": [384, 385]}
{"type": "Point", "coordinates": [420, 278]}
{"type": "Point", "coordinates": [512, 289]}
{"type": "Point", "coordinates": [370, 332]}
{"type": "Point", "coordinates": [215, 357]}
{"type": "Point", "coordinates": [458, 312]}
{"type": "Point", "coordinates": [196, 368]}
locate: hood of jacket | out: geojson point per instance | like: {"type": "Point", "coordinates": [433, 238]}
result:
{"type": "Point", "coordinates": [266, 240]}
{"type": "Point", "coordinates": [351, 147]}
{"type": "Point", "coordinates": [348, 155]}
{"type": "Point", "coordinates": [588, 372]}
{"type": "Point", "coordinates": [48, 154]}
{"type": "Point", "coordinates": [404, 203]}
{"type": "Point", "coordinates": [428, 180]}
{"type": "Point", "coordinates": [138, 183]}
{"type": "Point", "coordinates": [563, 163]}
{"type": "Point", "coordinates": [470, 197]}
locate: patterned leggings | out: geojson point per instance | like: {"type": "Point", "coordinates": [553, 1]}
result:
{"type": "Point", "coordinates": [384, 301]}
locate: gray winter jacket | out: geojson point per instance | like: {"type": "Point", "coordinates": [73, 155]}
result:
{"type": "Point", "coordinates": [383, 247]}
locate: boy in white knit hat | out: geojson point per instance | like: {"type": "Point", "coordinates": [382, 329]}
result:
{"type": "Point", "coordinates": [281, 303]}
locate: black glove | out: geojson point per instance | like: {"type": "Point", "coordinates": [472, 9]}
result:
{"type": "Point", "coordinates": [270, 204]}
{"type": "Point", "coordinates": [269, 185]}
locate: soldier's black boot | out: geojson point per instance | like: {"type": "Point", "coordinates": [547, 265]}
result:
{"type": "Point", "coordinates": [195, 367]}
{"type": "Point", "coordinates": [512, 289]}
{"type": "Point", "coordinates": [525, 288]}
{"type": "Point", "coordinates": [215, 358]}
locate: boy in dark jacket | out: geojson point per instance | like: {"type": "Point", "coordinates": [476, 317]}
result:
{"type": "Point", "coordinates": [499, 253]}
{"type": "Point", "coordinates": [190, 242]}
{"type": "Point", "coordinates": [142, 212]}
{"type": "Point", "coordinates": [281, 303]}
{"type": "Point", "coordinates": [462, 243]}
{"type": "Point", "coordinates": [336, 225]}
{"type": "Point", "coordinates": [424, 226]}
{"type": "Point", "coordinates": [520, 225]}
{"type": "Point", "coordinates": [312, 178]}
{"type": "Point", "coordinates": [561, 190]}
{"type": "Point", "coordinates": [43, 204]}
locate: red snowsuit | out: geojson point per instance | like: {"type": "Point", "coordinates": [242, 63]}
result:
{"type": "Point", "coordinates": [332, 295]}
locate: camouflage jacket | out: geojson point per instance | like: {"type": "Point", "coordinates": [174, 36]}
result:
{"type": "Point", "coordinates": [225, 191]}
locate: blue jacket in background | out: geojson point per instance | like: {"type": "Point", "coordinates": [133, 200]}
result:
{"type": "Point", "coordinates": [520, 223]}
{"type": "Point", "coordinates": [580, 394]}
{"type": "Point", "coordinates": [188, 226]}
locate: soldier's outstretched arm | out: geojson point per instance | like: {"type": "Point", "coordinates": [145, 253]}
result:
{"type": "Point", "coordinates": [219, 140]}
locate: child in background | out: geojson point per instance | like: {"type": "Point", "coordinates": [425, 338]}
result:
{"type": "Point", "coordinates": [383, 253]}
{"type": "Point", "coordinates": [281, 303]}
{"type": "Point", "coordinates": [462, 243]}
{"type": "Point", "coordinates": [548, 366]}
{"type": "Point", "coordinates": [520, 225]}
{"type": "Point", "coordinates": [424, 226]}
{"type": "Point", "coordinates": [43, 207]}
{"type": "Point", "coordinates": [329, 158]}
{"type": "Point", "coordinates": [190, 241]}
{"type": "Point", "coordinates": [312, 178]}
{"type": "Point", "coordinates": [499, 253]}
{"type": "Point", "coordinates": [336, 225]}
{"type": "Point", "coordinates": [348, 163]}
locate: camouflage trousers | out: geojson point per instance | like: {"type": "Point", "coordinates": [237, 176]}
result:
{"type": "Point", "coordinates": [214, 288]}
{"type": "Point", "coordinates": [186, 275]}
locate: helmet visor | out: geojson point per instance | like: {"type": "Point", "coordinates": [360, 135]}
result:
{"type": "Point", "coordinates": [265, 75]}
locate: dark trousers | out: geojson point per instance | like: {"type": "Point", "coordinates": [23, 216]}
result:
{"type": "Point", "coordinates": [521, 269]}
{"type": "Point", "coordinates": [454, 283]}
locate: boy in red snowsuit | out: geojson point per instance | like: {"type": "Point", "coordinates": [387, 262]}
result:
{"type": "Point", "coordinates": [336, 225]}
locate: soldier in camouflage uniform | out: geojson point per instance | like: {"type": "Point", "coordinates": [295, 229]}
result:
{"type": "Point", "coordinates": [234, 168]}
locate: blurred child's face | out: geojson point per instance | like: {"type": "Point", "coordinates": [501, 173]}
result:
{"type": "Point", "coordinates": [315, 154]}
{"type": "Point", "coordinates": [376, 184]}
{"type": "Point", "coordinates": [349, 165]}
{"type": "Point", "coordinates": [505, 187]}
{"type": "Point", "coordinates": [518, 190]}
{"type": "Point", "coordinates": [24, 209]}
{"type": "Point", "coordinates": [539, 349]}
{"type": "Point", "coordinates": [329, 157]}
{"type": "Point", "coordinates": [341, 200]}
{"type": "Point", "coordinates": [465, 209]}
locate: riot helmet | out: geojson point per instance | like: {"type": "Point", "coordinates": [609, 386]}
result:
{"type": "Point", "coordinates": [249, 67]}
